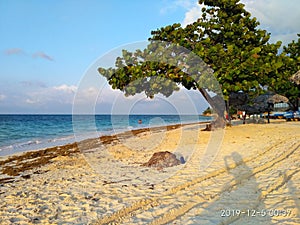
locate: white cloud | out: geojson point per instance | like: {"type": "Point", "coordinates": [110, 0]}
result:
{"type": "Point", "coordinates": [30, 101]}
{"type": "Point", "coordinates": [63, 94]}
{"type": "Point", "coordinates": [2, 97]}
{"type": "Point", "coordinates": [87, 95]}
{"type": "Point", "coordinates": [171, 6]}
{"type": "Point", "coordinates": [192, 15]}
{"type": "Point", "coordinates": [66, 88]}
{"type": "Point", "coordinates": [182, 102]}
{"type": "Point", "coordinates": [279, 15]}
{"type": "Point", "coordinates": [280, 18]}
{"type": "Point", "coordinates": [107, 100]}
{"type": "Point", "coordinates": [193, 9]}
{"type": "Point", "coordinates": [60, 99]}
{"type": "Point", "coordinates": [33, 97]}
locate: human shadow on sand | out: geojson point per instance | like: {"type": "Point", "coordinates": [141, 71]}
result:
{"type": "Point", "coordinates": [240, 199]}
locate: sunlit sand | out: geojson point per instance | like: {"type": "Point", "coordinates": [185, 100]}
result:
{"type": "Point", "coordinates": [253, 177]}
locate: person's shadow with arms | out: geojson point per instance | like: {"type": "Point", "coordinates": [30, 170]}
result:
{"type": "Point", "coordinates": [240, 199]}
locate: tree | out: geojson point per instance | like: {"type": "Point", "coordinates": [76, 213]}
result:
{"type": "Point", "coordinates": [291, 57]}
{"type": "Point", "coordinates": [229, 40]}
{"type": "Point", "coordinates": [225, 37]}
{"type": "Point", "coordinates": [293, 51]}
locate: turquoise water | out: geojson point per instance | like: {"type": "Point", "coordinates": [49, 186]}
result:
{"type": "Point", "coordinates": [20, 133]}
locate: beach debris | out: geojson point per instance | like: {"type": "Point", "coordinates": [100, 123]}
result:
{"type": "Point", "coordinates": [162, 160]}
{"type": "Point", "coordinates": [208, 128]}
{"type": "Point", "coordinates": [7, 180]}
{"type": "Point", "coordinates": [26, 176]}
{"type": "Point", "coordinates": [182, 160]}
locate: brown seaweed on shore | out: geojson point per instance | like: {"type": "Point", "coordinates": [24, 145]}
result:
{"type": "Point", "coordinates": [16, 164]}
{"type": "Point", "coordinates": [110, 139]}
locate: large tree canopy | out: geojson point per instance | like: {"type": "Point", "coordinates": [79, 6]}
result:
{"type": "Point", "coordinates": [228, 39]}
{"type": "Point", "coordinates": [225, 37]}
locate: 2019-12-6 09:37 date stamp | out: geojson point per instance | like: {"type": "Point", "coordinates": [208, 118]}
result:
{"type": "Point", "coordinates": [255, 212]}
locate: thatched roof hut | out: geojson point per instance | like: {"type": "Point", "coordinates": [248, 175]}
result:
{"type": "Point", "coordinates": [270, 98]}
{"type": "Point", "coordinates": [267, 101]}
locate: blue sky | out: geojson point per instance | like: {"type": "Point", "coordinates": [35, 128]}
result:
{"type": "Point", "coordinates": [47, 46]}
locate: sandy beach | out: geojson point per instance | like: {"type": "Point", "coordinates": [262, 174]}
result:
{"type": "Point", "coordinates": [245, 174]}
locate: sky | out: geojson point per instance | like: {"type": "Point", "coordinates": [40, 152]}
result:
{"type": "Point", "coordinates": [48, 47]}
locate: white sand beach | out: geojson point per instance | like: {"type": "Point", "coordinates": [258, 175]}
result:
{"type": "Point", "coordinates": [245, 174]}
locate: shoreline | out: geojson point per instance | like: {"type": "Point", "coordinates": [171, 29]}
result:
{"type": "Point", "coordinates": [44, 156]}
{"type": "Point", "coordinates": [52, 135]}
{"type": "Point", "coordinates": [105, 137]}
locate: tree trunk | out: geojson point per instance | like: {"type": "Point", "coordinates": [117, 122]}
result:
{"type": "Point", "coordinates": [296, 104]}
{"type": "Point", "coordinates": [218, 105]}
{"type": "Point", "coordinates": [228, 112]}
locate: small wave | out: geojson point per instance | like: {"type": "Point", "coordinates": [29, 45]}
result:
{"type": "Point", "coordinates": [28, 143]}
{"type": "Point", "coordinates": [19, 147]}
{"type": "Point", "coordinates": [6, 148]}
{"type": "Point", "coordinates": [61, 139]}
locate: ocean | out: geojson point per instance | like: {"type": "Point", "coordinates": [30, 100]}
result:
{"type": "Point", "coordinates": [20, 133]}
